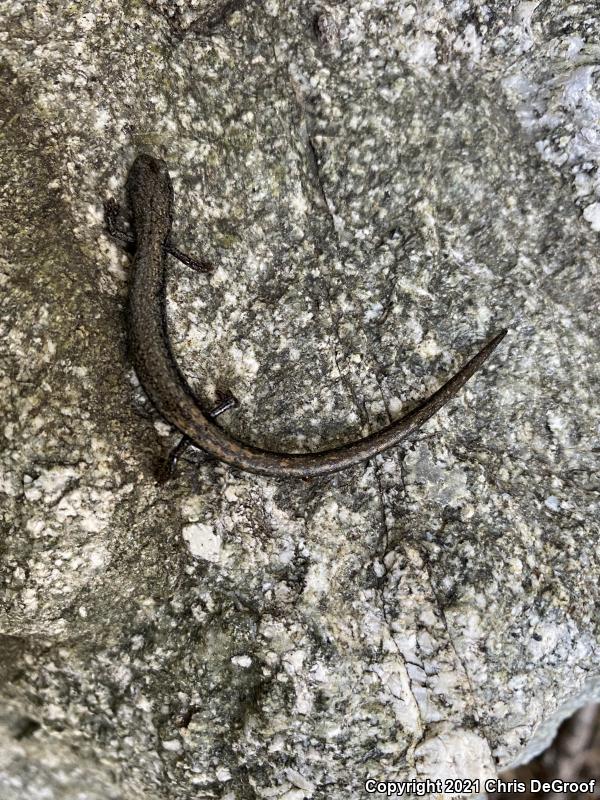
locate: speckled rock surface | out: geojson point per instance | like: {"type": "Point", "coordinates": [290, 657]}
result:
{"type": "Point", "coordinates": [382, 185]}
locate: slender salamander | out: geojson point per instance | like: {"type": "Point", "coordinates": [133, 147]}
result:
{"type": "Point", "coordinates": [150, 194]}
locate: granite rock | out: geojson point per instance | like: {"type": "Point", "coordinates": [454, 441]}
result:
{"type": "Point", "coordinates": [381, 185]}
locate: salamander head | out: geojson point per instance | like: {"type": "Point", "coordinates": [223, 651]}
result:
{"type": "Point", "coordinates": [149, 186]}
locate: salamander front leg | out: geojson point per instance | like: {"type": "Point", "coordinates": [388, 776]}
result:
{"type": "Point", "coordinates": [226, 401]}
{"type": "Point", "coordinates": [114, 222]}
{"type": "Point", "coordinates": [197, 264]}
{"type": "Point", "coordinates": [115, 226]}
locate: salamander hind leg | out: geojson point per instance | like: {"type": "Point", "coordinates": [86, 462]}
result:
{"type": "Point", "coordinates": [166, 469]}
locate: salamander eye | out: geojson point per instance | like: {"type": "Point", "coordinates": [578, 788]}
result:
{"type": "Point", "coordinates": [145, 164]}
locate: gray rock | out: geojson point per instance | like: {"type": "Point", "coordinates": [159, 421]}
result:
{"type": "Point", "coordinates": [382, 186]}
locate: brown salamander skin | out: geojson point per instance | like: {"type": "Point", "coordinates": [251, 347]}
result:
{"type": "Point", "coordinates": [151, 199]}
